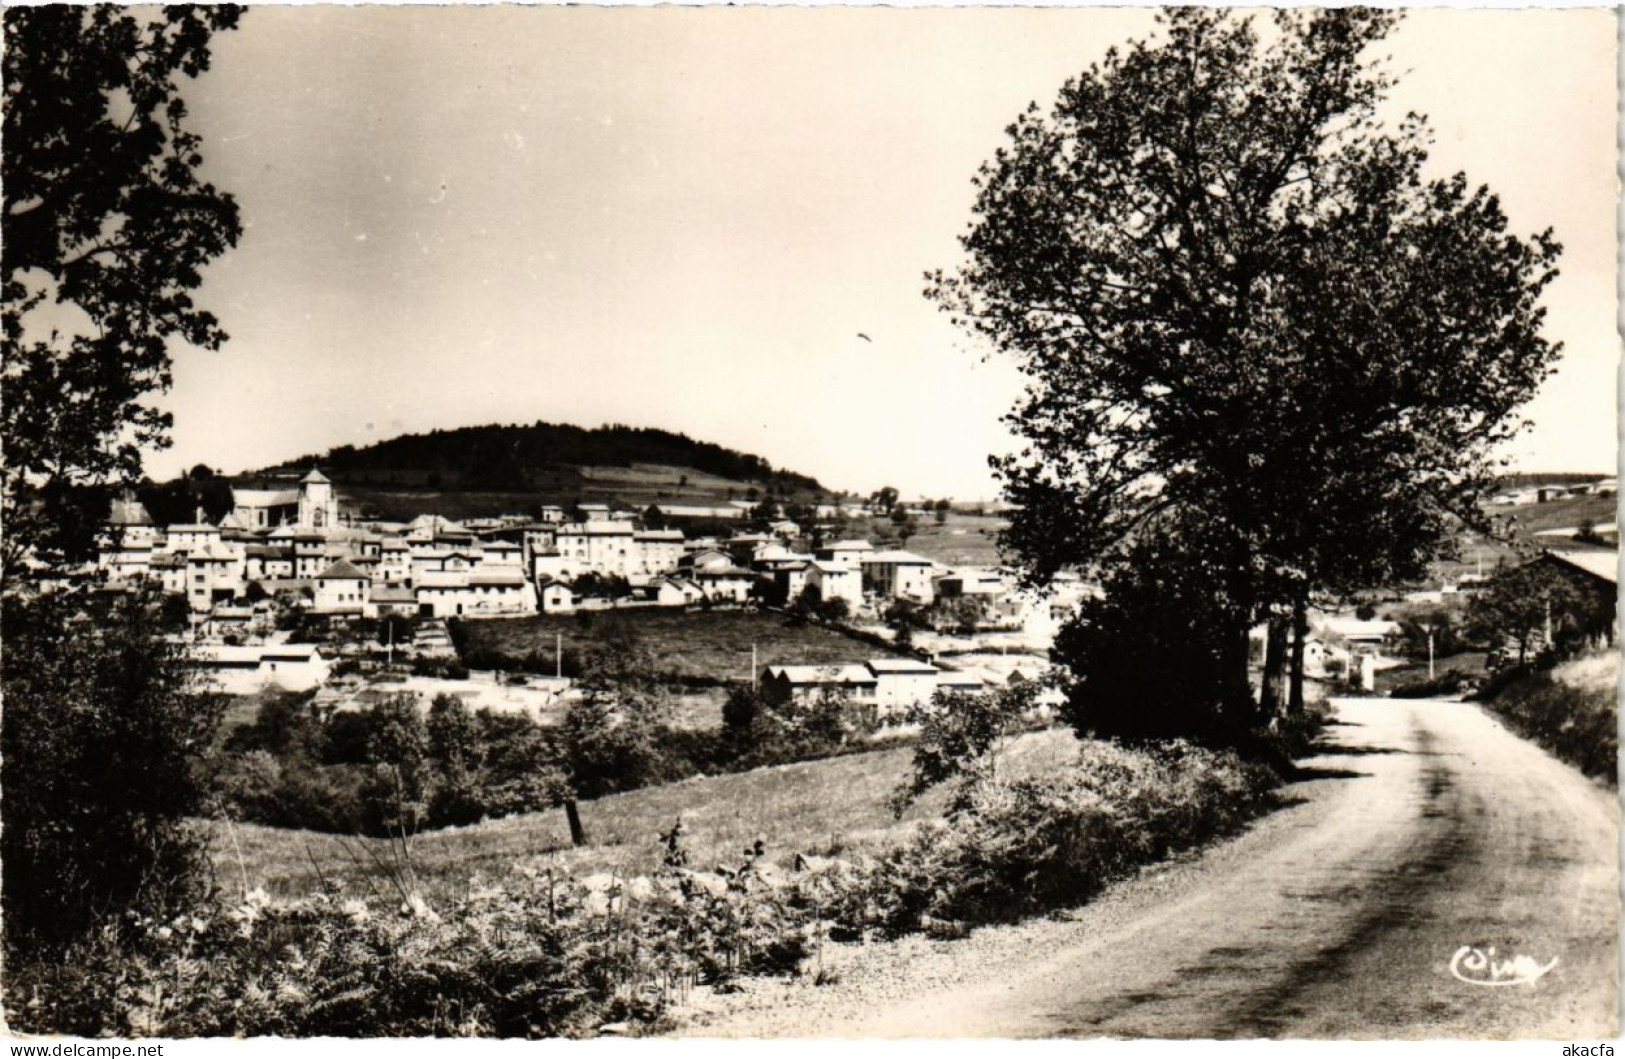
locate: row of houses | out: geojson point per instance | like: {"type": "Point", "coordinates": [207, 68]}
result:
{"type": "Point", "coordinates": [1541, 494]}
{"type": "Point", "coordinates": [293, 546]}
{"type": "Point", "coordinates": [888, 685]}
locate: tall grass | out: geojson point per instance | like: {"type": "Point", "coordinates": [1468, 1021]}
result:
{"type": "Point", "coordinates": [1572, 711]}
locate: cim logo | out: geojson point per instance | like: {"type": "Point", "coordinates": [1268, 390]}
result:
{"type": "Point", "coordinates": [1482, 967]}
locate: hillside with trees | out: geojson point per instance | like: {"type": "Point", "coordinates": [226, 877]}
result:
{"type": "Point", "coordinates": [547, 457]}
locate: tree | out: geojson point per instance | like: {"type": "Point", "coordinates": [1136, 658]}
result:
{"type": "Point", "coordinates": [833, 611]}
{"type": "Point", "coordinates": [1521, 602]}
{"type": "Point", "coordinates": [611, 732]}
{"type": "Point", "coordinates": [1236, 297]}
{"type": "Point", "coordinates": [397, 747]}
{"type": "Point", "coordinates": [904, 619]}
{"type": "Point", "coordinates": [102, 725]}
{"type": "Point", "coordinates": [106, 228]}
{"type": "Point", "coordinates": [961, 734]}
{"type": "Point", "coordinates": [455, 751]}
{"type": "Point", "coordinates": [883, 500]}
{"type": "Point", "coordinates": [1148, 656]}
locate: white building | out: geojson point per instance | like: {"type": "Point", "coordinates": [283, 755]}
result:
{"type": "Point", "coordinates": [902, 682]}
{"type": "Point", "coordinates": [557, 598]}
{"type": "Point", "coordinates": [600, 546]}
{"type": "Point", "coordinates": [899, 575]}
{"type": "Point", "coordinates": [341, 589]}
{"type": "Point", "coordinates": [658, 551]}
{"type": "Point", "coordinates": [246, 670]}
{"type": "Point", "coordinates": [318, 504]}
{"type": "Point", "coordinates": [850, 552]}
{"type": "Point", "coordinates": [835, 581]}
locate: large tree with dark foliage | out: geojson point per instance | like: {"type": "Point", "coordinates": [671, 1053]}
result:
{"type": "Point", "coordinates": [106, 228]}
{"type": "Point", "coordinates": [1236, 296]}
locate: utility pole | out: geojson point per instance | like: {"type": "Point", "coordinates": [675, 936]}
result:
{"type": "Point", "coordinates": [1429, 629]}
{"type": "Point", "coordinates": [753, 665]}
{"type": "Point", "coordinates": [390, 656]}
{"type": "Point", "coordinates": [558, 655]}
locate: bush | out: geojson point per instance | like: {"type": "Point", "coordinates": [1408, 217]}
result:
{"type": "Point", "coordinates": [543, 954]}
{"type": "Point", "coordinates": [100, 727]}
{"type": "Point", "coordinates": [376, 771]}
{"type": "Point", "coordinates": [1148, 657]}
{"type": "Point", "coordinates": [758, 731]}
{"type": "Point", "coordinates": [1013, 849]}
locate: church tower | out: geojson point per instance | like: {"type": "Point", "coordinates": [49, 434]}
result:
{"type": "Point", "coordinates": [318, 505]}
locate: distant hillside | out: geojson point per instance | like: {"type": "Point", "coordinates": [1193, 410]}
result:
{"type": "Point", "coordinates": [1525, 479]}
{"type": "Point", "coordinates": [553, 462]}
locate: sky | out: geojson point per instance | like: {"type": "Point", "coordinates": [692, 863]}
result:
{"type": "Point", "coordinates": [686, 218]}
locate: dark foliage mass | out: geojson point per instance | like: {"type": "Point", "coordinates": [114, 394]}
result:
{"type": "Point", "coordinates": [390, 769]}
{"type": "Point", "coordinates": [107, 227]}
{"type": "Point", "coordinates": [517, 457]}
{"type": "Point", "coordinates": [100, 730]}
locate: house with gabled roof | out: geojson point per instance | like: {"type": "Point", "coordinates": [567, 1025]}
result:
{"type": "Point", "coordinates": [782, 684]}
{"type": "Point", "coordinates": [342, 588]}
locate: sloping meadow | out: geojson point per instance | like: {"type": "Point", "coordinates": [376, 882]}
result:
{"type": "Point", "coordinates": [543, 952]}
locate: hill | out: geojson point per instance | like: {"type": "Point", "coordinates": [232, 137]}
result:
{"type": "Point", "coordinates": [486, 469]}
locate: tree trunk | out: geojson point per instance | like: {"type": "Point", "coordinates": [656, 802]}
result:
{"type": "Point", "coordinates": [1272, 686]}
{"type": "Point", "coordinates": [1240, 709]}
{"type": "Point", "coordinates": [1300, 633]}
{"type": "Point", "coordinates": [578, 836]}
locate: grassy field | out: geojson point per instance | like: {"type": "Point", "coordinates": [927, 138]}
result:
{"type": "Point", "coordinates": [816, 807]}
{"type": "Point", "coordinates": [1466, 661]}
{"type": "Point", "coordinates": [1560, 514]}
{"type": "Point", "coordinates": [964, 540]}
{"type": "Point", "coordinates": [712, 645]}
{"type": "Point", "coordinates": [634, 487]}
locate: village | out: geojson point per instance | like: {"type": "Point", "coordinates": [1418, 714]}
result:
{"type": "Point", "coordinates": [282, 553]}
{"type": "Point", "coordinates": [382, 592]}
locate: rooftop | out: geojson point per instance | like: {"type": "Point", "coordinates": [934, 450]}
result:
{"type": "Point", "coordinates": [912, 666]}
{"type": "Point", "coordinates": [343, 570]}
{"type": "Point", "coordinates": [1604, 565]}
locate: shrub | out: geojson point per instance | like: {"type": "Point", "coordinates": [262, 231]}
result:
{"type": "Point", "coordinates": [100, 727]}
{"type": "Point", "coordinates": [1149, 658]}
{"type": "Point", "coordinates": [537, 955]}
{"type": "Point", "coordinates": [1012, 849]}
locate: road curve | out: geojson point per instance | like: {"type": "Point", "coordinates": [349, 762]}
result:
{"type": "Point", "coordinates": [1423, 827]}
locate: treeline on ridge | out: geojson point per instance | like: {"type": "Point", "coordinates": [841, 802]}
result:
{"type": "Point", "coordinates": [515, 457]}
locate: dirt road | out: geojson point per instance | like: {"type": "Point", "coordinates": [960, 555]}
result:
{"type": "Point", "coordinates": [1425, 828]}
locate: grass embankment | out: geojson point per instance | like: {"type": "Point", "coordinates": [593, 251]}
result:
{"type": "Point", "coordinates": [1572, 711]}
{"type": "Point", "coordinates": [697, 646]}
{"type": "Point", "coordinates": [817, 807]}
